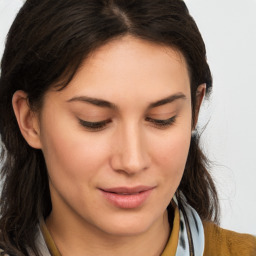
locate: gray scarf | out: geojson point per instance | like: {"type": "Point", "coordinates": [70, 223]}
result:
{"type": "Point", "coordinates": [191, 234]}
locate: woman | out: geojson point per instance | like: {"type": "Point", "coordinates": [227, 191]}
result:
{"type": "Point", "coordinates": [99, 105]}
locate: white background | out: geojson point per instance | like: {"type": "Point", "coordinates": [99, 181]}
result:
{"type": "Point", "coordinates": [229, 30]}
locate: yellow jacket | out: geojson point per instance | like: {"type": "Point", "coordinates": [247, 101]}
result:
{"type": "Point", "coordinates": [222, 242]}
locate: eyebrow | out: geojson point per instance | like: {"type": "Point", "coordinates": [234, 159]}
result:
{"type": "Point", "coordinates": [167, 100]}
{"type": "Point", "coordinates": [106, 104]}
{"type": "Point", "coordinates": [94, 101]}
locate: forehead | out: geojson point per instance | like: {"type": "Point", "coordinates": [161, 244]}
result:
{"type": "Point", "coordinates": [129, 66]}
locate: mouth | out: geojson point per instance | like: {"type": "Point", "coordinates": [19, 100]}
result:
{"type": "Point", "coordinates": [127, 190]}
{"type": "Point", "coordinates": [127, 197]}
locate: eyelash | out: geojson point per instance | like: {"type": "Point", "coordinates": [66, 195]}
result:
{"type": "Point", "coordinates": [97, 126]}
{"type": "Point", "coordinates": [162, 123]}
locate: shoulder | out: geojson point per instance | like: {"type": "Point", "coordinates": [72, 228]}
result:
{"type": "Point", "coordinates": [222, 242]}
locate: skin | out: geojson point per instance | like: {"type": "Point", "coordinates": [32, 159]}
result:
{"type": "Point", "coordinates": [131, 150]}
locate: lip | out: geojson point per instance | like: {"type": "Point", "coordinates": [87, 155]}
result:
{"type": "Point", "coordinates": [127, 197]}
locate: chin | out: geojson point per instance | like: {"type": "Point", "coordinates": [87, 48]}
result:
{"type": "Point", "coordinates": [127, 225]}
{"type": "Point", "coordinates": [125, 231]}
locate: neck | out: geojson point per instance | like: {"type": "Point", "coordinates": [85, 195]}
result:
{"type": "Point", "coordinates": [81, 238]}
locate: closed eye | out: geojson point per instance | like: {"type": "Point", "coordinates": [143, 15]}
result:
{"type": "Point", "coordinates": [161, 123]}
{"type": "Point", "coordinates": [94, 126]}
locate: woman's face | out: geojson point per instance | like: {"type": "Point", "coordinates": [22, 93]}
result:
{"type": "Point", "coordinates": [116, 139]}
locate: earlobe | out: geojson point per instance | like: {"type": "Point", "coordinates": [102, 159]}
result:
{"type": "Point", "coordinates": [200, 93]}
{"type": "Point", "coordinates": [26, 118]}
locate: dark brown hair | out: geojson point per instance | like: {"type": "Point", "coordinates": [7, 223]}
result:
{"type": "Point", "coordinates": [45, 46]}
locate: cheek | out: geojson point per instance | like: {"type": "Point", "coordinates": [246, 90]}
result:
{"type": "Point", "coordinates": [172, 148]}
{"type": "Point", "coordinates": [175, 149]}
{"type": "Point", "coordinates": [71, 157]}
{"type": "Point", "coordinates": [171, 153]}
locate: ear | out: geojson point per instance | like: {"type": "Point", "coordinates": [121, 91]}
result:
{"type": "Point", "coordinates": [200, 93]}
{"type": "Point", "coordinates": [27, 119]}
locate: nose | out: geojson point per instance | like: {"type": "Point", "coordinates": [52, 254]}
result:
{"type": "Point", "coordinates": [130, 151]}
